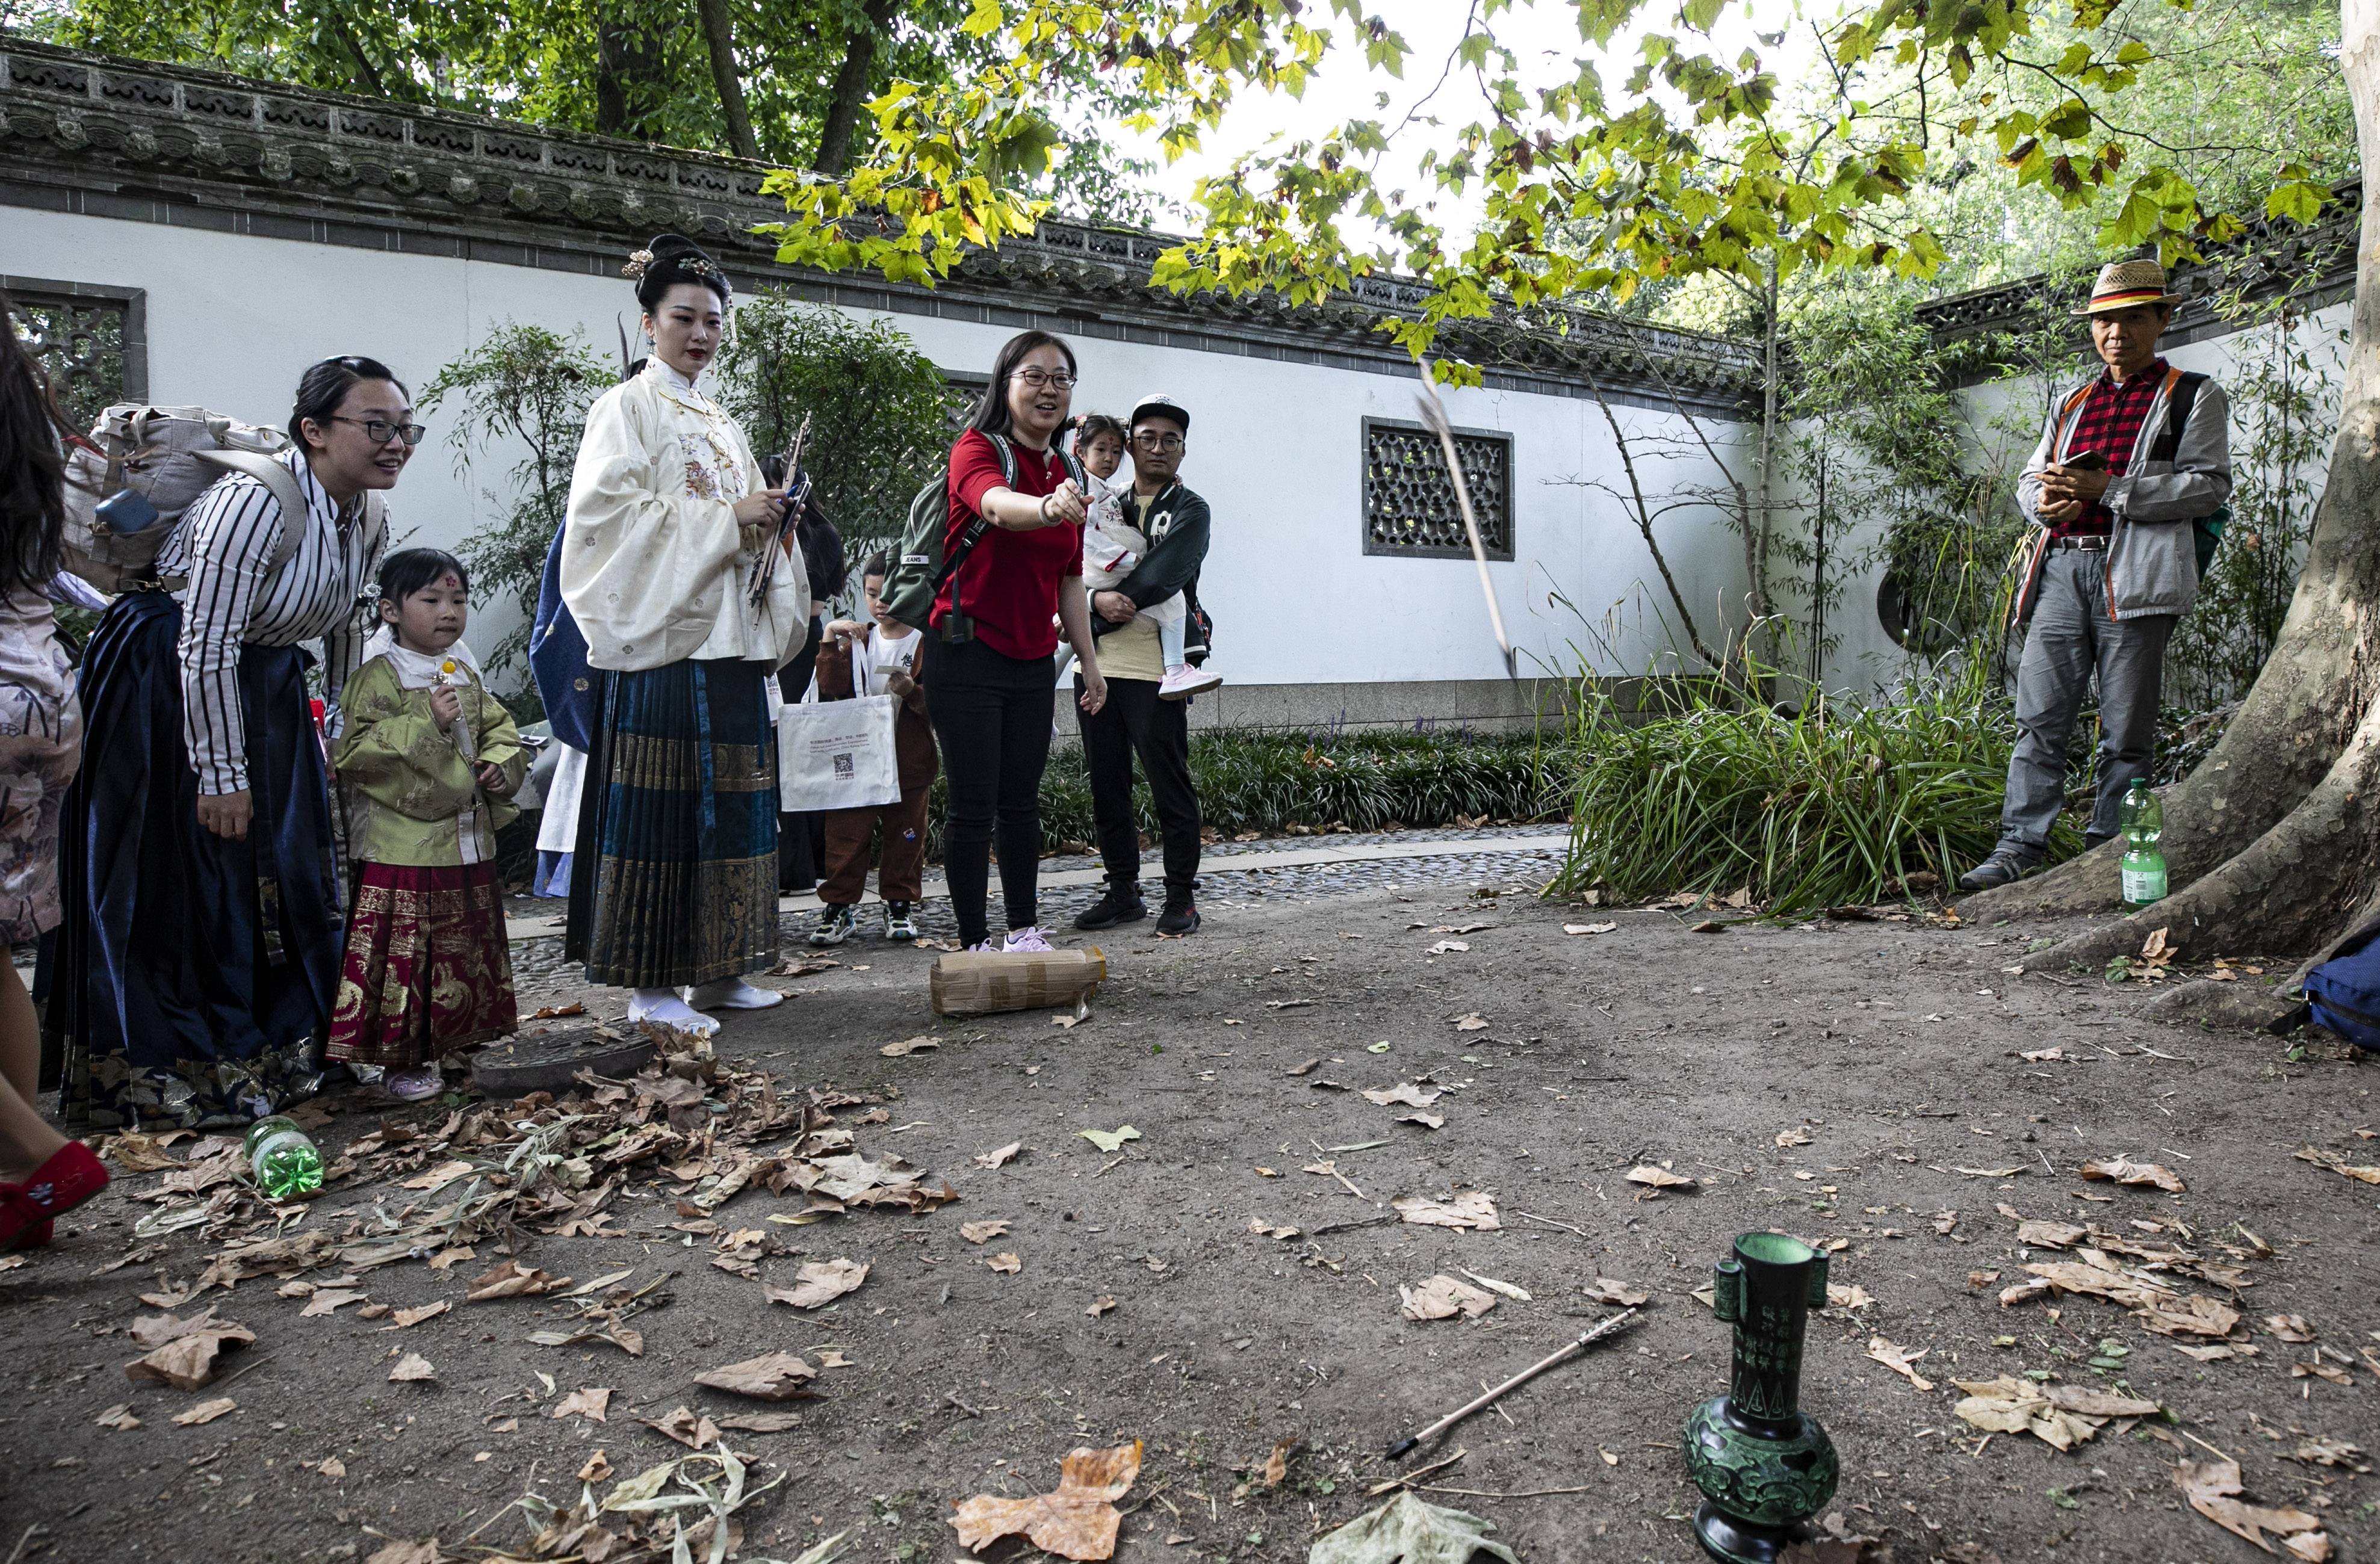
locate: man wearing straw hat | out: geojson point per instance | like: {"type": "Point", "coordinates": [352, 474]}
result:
{"type": "Point", "coordinates": [2127, 469]}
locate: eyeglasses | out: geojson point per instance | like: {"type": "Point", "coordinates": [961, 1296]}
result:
{"type": "Point", "coordinates": [1056, 379]}
{"type": "Point", "coordinates": [380, 431]}
{"type": "Point", "coordinates": [1148, 440]}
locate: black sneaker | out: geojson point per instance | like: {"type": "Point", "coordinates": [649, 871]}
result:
{"type": "Point", "coordinates": [1114, 908]}
{"type": "Point", "coordinates": [900, 921]}
{"type": "Point", "coordinates": [2005, 866]}
{"type": "Point", "coordinates": [835, 926]}
{"type": "Point", "coordinates": [1179, 917]}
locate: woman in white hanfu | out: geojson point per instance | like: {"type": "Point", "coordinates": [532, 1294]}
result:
{"type": "Point", "coordinates": [671, 532]}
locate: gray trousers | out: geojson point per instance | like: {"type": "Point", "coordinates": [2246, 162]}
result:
{"type": "Point", "coordinates": [2072, 637]}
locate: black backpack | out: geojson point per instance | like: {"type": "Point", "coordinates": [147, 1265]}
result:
{"type": "Point", "coordinates": [2207, 531]}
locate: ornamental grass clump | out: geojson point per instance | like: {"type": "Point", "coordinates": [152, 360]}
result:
{"type": "Point", "coordinates": [1842, 802]}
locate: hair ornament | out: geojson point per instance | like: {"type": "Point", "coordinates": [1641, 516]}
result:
{"type": "Point", "coordinates": [636, 264]}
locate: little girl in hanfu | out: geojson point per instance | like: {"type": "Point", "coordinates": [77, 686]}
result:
{"type": "Point", "coordinates": [429, 762]}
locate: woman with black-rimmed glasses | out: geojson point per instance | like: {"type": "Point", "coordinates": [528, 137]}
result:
{"type": "Point", "coordinates": [200, 956]}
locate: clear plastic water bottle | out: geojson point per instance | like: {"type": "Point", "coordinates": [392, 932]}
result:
{"type": "Point", "coordinates": [282, 1158]}
{"type": "Point", "coordinates": [2142, 870]}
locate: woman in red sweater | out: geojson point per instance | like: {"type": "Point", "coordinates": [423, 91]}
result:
{"type": "Point", "coordinates": [990, 654]}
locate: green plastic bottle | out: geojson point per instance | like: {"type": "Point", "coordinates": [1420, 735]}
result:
{"type": "Point", "coordinates": [282, 1158]}
{"type": "Point", "coordinates": [2144, 863]}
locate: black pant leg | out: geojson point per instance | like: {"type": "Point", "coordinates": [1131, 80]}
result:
{"type": "Point", "coordinates": [967, 719]}
{"type": "Point", "coordinates": [1107, 754]}
{"type": "Point", "coordinates": [1161, 735]}
{"type": "Point", "coordinates": [1024, 752]}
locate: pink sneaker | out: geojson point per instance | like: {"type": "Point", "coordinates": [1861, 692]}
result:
{"type": "Point", "coordinates": [1182, 682]}
{"type": "Point", "coordinates": [1025, 941]}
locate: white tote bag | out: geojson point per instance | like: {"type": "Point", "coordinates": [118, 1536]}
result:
{"type": "Point", "coordinates": [837, 754]}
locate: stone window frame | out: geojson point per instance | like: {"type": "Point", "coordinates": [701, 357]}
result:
{"type": "Point", "coordinates": [1493, 519]}
{"type": "Point", "coordinates": [135, 301]}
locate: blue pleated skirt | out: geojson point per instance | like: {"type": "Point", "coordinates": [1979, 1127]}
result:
{"type": "Point", "coordinates": [674, 876]}
{"type": "Point", "coordinates": [195, 975]}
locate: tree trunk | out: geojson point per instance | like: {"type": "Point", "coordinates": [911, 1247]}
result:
{"type": "Point", "coordinates": [628, 61]}
{"type": "Point", "coordinates": [719, 31]}
{"type": "Point", "coordinates": [851, 83]}
{"type": "Point", "coordinates": [2270, 843]}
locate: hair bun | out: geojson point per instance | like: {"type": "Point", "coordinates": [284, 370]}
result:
{"type": "Point", "coordinates": [674, 246]}
{"type": "Point", "coordinates": [672, 259]}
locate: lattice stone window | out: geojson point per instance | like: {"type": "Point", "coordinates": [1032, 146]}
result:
{"type": "Point", "coordinates": [1409, 504]}
{"type": "Point", "coordinates": [91, 342]}
{"type": "Point", "coordinates": [960, 393]}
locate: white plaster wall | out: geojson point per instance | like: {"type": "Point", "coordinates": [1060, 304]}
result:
{"type": "Point", "coordinates": [1276, 448]}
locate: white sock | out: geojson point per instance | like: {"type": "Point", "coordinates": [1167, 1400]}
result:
{"type": "Point", "coordinates": [732, 993]}
{"type": "Point", "coordinates": [664, 1008]}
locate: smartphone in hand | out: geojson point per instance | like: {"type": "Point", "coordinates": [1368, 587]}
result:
{"type": "Point", "coordinates": [2085, 461]}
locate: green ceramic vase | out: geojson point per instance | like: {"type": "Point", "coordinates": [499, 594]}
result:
{"type": "Point", "coordinates": [1764, 1466]}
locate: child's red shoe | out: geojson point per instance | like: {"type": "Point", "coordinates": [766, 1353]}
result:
{"type": "Point", "coordinates": [71, 1176]}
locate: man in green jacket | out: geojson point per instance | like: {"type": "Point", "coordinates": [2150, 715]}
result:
{"type": "Point", "coordinates": [1139, 718]}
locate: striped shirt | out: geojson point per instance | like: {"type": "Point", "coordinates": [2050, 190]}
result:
{"type": "Point", "coordinates": [222, 545]}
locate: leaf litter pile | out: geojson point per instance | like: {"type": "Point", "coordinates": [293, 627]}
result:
{"type": "Point", "coordinates": [463, 1195]}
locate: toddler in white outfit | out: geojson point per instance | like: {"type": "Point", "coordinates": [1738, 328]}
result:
{"type": "Point", "coordinates": [1113, 549]}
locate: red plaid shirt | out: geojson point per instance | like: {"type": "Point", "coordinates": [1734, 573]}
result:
{"type": "Point", "coordinates": [2109, 423]}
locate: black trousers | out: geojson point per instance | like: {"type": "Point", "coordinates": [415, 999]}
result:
{"type": "Point", "coordinates": [1134, 721]}
{"type": "Point", "coordinates": [992, 717]}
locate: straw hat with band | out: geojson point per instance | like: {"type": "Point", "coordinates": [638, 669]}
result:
{"type": "Point", "coordinates": [2123, 283]}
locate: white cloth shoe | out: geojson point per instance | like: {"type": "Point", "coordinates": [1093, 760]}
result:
{"type": "Point", "coordinates": [1182, 682]}
{"type": "Point", "coordinates": [732, 993]}
{"type": "Point", "coordinates": [664, 1008]}
{"type": "Point", "coordinates": [1025, 941]}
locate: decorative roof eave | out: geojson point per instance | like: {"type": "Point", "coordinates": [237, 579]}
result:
{"type": "Point", "coordinates": [170, 143]}
{"type": "Point", "coordinates": [2311, 266]}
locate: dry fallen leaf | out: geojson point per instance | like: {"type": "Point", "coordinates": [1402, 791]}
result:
{"type": "Point", "coordinates": [1079, 1520]}
{"type": "Point", "coordinates": [508, 1281]}
{"type": "Point", "coordinates": [1403, 1092]}
{"type": "Point", "coordinates": [2339, 1165]}
{"type": "Point", "coordinates": [591, 1404]}
{"type": "Point", "coordinates": [1604, 1290]}
{"type": "Point", "coordinates": [1427, 1120]}
{"type": "Point", "coordinates": [1263, 1228]}
{"type": "Point", "coordinates": [185, 1350]}
{"type": "Point", "coordinates": [597, 1470]}
{"type": "Point", "coordinates": [1110, 1140]}
{"type": "Point", "coordinates": [1099, 1305]}
{"type": "Point", "coordinates": [695, 1433]}
{"type": "Point", "coordinates": [407, 1319]}
{"type": "Point", "coordinates": [2213, 1488]}
{"type": "Point", "coordinates": [422, 1551]}
{"type": "Point", "coordinates": [1469, 1209]}
{"type": "Point", "coordinates": [762, 1422]}
{"type": "Point", "coordinates": [979, 1232]}
{"type": "Point", "coordinates": [772, 1377]}
{"type": "Point", "coordinates": [1443, 1297]}
{"type": "Point", "coordinates": [327, 1300]}
{"type": "Point", "coordinates": [412, 1369]}
{"type": "Point", "coordinates": [332, 1468]}
{"type": "Point", "coordinates": [2290, 1328]}
{"type": "Point", "coordinates": [1659, 1177]}
{"type": "Point", "coordinates": [1276, 1466]}
{"type": "Point", "coordinates": [1851, 1297]}
{"type": "Point", "coordinates": [1411, 1530]}
{"type": "Point", "coordinates": [1505, 1288]}
{"type": "Point", "coordinates": [206, 1412]}
{"type": "Point", "coordinates": [908, 1046]}
{"type": "Point", "coordinates": [2043, 1056]}
{"type": "Point", "coordinates": [1006, 1262]}
{"type": "Point", "coordinates": [817, 1283]}
{"type": "Point", "coordinates": [2060, 1416]}
{"type": "Point", "coordinates": [1900, 1360]}
{"type": "Point", "coordinates": [1471, 1021]}
{"type": "Point", "coordinates": [995, 1159]}
{"type": "Point", "coordinates": [120, 1417]}
{"type": "Point", "coordinates": [1447, 947]}
{"type": "Point", "coordinates": [1794, 1137]}
{"type": "Point", "coordinates": [2124, 1171]}
{"type": "Point", "coordinates": [1589, 927]}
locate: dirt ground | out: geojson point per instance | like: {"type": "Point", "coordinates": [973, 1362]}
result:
{"type": "Point", "coordinates": [1894, 1046]}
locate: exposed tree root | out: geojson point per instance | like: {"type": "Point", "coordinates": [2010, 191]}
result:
{"type": "Point", "coordinates": [2224, 1007]}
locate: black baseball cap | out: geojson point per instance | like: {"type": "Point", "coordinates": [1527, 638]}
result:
{"type": "Point", "coordinates": [1160, 407]}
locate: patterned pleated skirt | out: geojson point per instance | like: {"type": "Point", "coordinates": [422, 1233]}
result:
{"type": "Point", "coordinates": [427, 968]}
{"type": "Point", "coordinates": [674, 878]}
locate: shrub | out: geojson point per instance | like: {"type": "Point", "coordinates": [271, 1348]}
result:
{"type": "Point", "coordinates": [1269, 781]}
{"type": "Point", "coordinates": [1832, 804]}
